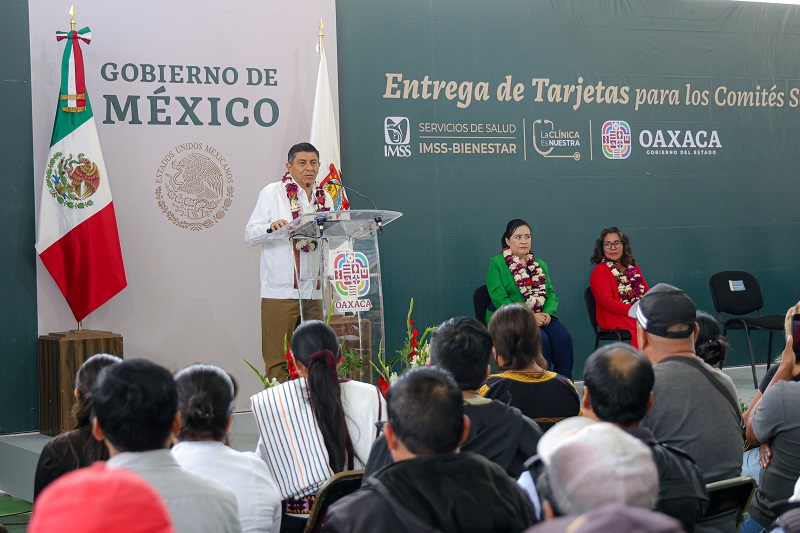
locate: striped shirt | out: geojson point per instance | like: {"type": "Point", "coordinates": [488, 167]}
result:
{"type": "Point", "coordinates": [291, 442]}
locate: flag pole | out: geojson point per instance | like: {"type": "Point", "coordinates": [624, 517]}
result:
{"type": "Point", "coordinates": [321, 36]}
{"type": "Point", "coordinates": [73, 25]}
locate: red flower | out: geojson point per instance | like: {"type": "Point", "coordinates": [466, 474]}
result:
{"type": "Point", "coordinates": [384, 385]}
{"type": "Point", "coordinates": [410, 323]}
{"type": "Point", "coordinates": [293, 374]}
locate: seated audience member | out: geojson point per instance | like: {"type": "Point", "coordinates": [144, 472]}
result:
{"type": "Point", "coordinates": [499, 432]}
{"type": "Point", "coordinates": [543, 396]}
{"type": "Point", "coordinates": [695, 408]}
{"type": "Point", "coordinates": [789, 519]}
{"type": "Point", "coordinates": [588, 464]}
{"type": "Point", "coordinates": [788, 522]}
{"type": "Point", "coordinates": [775, 419]}
{"type": "Point", "coordinates": [99, 499]}
{"type": "Point", "coordinates": [205, 401]}
{"type": "Point", "coordinates": [314, 426]}
{"type": "Point", "coordinates": [752, 459]}
{"type": "Point", "coordinates": [516, 276]}
{"type": "Point", "coordinates": [762, 386]}
{"type": "Point", "coordinates": [136, 403]}
{"type": "Point", "coordinates": [612, 517]}
{"type": "Point", "coordinates": [617, 388]}
{"type": "Point", "coordinates": [710, 344]}
{"type": "Point", "coordinates": [431, 486]}
{"type": "Point", "coordinates": [616, 281]}
{"type": "Point", "coordinates": [77, 448]}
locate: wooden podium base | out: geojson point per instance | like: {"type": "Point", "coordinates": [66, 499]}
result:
{"type": "Point", "coordinates": [60, 357]}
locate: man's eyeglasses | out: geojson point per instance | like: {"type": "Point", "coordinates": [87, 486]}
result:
{"type": "Point", "coordinates": [609, 244]}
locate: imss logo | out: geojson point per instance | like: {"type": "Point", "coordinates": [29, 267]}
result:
{"type": "Point", "coordinates": [397, 135]}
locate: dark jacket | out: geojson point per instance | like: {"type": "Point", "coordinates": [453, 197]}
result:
{"type": "Point", "coordinates": [459, 492]}
{"type": "Point", "coordinates": [499, 432]}
{"type": "Point", "coordinates": [682, 492]}
{"type": "Point", "coordinates": [65, 453]}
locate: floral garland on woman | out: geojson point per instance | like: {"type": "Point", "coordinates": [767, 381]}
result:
{"type": "Point", "coordinates": [629, 282]}
{"type": "Point", "coordinates": [529, 277]}
{"type": "Point", "coordinates": [305, 245]}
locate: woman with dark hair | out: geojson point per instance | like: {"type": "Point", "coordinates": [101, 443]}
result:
{"type": "Point", "coordinates": [616, 282]}
{"type": "Point", "coordinates": [543, 396]}
{"type": "Point", "coordinates": [516, 276]}
{"type": "Point", "coordinates": [205, 401]}
{"type": "Point", "coordinates": [710, 345]}
{"type": "Point", "coordinates": [77, 448]}
{"type": "Point", "coordinates": [316, 425]}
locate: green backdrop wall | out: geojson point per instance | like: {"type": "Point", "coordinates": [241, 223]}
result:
{"type": "Point", "coordinates": [689, 215]}
{"type": "Point", "coordinates": [18, 390]}
{"type": "Point", "coordinates": [723, 196]}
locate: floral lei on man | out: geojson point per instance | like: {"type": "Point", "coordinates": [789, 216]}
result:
{"type": "Point", "coordinates": [292, 189]}
{"type": "Point", "coordinates": [629, 283]}
{"type": "Point", "coordinates": [529, 277]}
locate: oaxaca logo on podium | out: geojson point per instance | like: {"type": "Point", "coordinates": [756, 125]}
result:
{"type": "Point", "coordinates": [351, 281]}
{"type": "Point", "coordinates": [194, 186]}
{"type": "Point", "coordinates": [397, 135]}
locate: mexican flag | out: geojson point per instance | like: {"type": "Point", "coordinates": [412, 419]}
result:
{"type": "Point", "coordinates": [325, 137]}
{"type": "Point", "coordinates": [77, 237]}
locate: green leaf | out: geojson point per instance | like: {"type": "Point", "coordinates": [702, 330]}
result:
{"type": "Point", "coordinates": [261, 376]}
{"type": "Point", "coordinates": [330, 314]}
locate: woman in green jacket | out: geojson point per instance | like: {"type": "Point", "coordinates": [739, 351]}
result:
{"type": "Point", "coordinates": [516, 276]}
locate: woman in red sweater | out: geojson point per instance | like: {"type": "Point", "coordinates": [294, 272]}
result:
{"type": "Point", "coordinates": [616, 282]}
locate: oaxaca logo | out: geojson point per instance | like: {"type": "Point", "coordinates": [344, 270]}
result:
{"type": "Point", "coordinates": [616, 139]}
{"type": "Point", "coordinates": [397, 135]}
{"type": "Point", "coordinates": [680, 142]}
{"type": "Point", "coordinates": [351, 281]}
{"type": "Point", "coordinates": [72, 181]}
{"type": "Point", "coordinates": [194, 186]}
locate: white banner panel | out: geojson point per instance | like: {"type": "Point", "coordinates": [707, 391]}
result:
{"type": "Point", "coordinates": [197, 104]}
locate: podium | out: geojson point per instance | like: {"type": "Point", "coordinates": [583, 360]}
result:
{"type": "Point", "coordinates": [342, 267]}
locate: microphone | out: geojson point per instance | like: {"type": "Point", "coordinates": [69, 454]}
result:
{"type": "Point", "coordinates": [378, 219]}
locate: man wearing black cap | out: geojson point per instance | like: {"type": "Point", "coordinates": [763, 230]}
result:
{"type": "Point", "coordinates": [695, 408]}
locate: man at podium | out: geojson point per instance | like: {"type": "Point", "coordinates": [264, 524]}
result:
{"type": "Point", "coordinates": [282, 294]}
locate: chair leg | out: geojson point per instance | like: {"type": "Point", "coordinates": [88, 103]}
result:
{"type": "Point", "coordinates": [769, 350]}
{"type": "Point", "coordinates": [752, 357]}
{"type": "Point", "coordinates": [596, 342]}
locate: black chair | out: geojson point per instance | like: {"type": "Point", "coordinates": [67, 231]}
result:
{"type": "Point", "coordinates": [728, 498]}
{"type": "Point", "coordinates": [737, 293]}
{"type": "Point", "coordinates": [333, 490]}
{"type": "Point", "coordinates": [602, 334]}
{"type": "Point", "coordinates": [481, 303]}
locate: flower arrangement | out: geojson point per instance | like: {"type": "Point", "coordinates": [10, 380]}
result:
{"type": "Point", "coordinates": [415, 352]}
{"type": "Point", "coordinates": [629, 283]}
{"type": "Point", "coordinates": [529, 277]}
{"type": "Point", "coordinates": [305, 245]}
{"type": "Point", "coordinates": [350, 360]}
